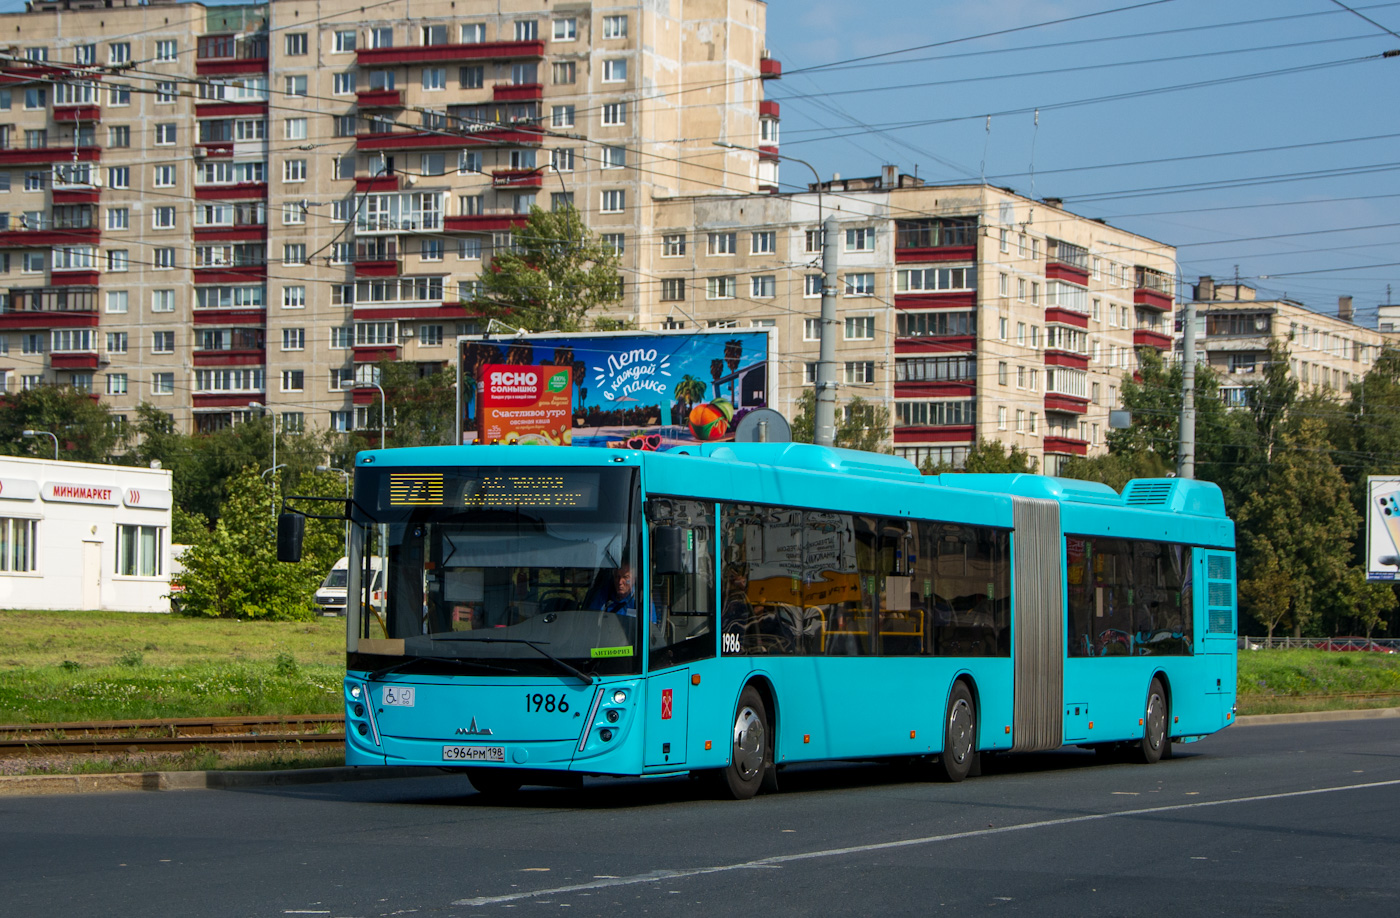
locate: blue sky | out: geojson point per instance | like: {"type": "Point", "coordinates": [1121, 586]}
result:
{"type": "Point", "coordinates": [928, 108]}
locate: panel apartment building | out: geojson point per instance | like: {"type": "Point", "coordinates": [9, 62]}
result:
{"type": "Point", "coordinates": [210, 207]}
{"type": "Point", "coordinates": [967, 310]}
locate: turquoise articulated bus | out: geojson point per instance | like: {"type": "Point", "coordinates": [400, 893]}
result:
{"type": "Point", "coordinates": [548, 613]}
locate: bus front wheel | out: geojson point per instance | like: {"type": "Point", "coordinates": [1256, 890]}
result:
{"type": "Point", "coordinates": [1154, 725]}
{"type": "Point", "coordinates": [750, 753]}
{"type": "Point", "coordinates": [959, 735]}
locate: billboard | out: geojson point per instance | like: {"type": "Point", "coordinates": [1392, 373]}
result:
{"type": "Point", "coordinates": [1383, 527]}
{"type": "Point", "coordinates": [637, 390]}
{"type": "Point", "coordinates": [532, 405]}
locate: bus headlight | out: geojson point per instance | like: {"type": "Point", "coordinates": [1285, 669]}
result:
{"type": "Point", "coordinates": [612, 715]}
{"type": "Point", "coordinates": [619, 696]}
{"type": "Point", "coordinates": [355, 692]}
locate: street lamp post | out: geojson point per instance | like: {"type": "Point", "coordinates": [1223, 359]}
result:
{"type": "Point", "coordinates": [43, 433]}
{"type": "Point", "coordinates": [824, 422]}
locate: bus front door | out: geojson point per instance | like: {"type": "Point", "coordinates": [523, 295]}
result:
{"type": "Point", "coordinates": [666, 718]}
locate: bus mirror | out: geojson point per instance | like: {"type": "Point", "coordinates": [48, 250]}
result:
{"type": "Point", "coordinates": [291, 529]}
{"type": "Point", "coordinates": [667, 550]}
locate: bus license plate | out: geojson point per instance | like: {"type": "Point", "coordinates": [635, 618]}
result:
{"type": "Point", "coordinates": [473, 753]}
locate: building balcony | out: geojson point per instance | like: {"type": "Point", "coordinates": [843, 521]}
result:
{"type": "Point", "coordinates": [374, 353]}
{"type": "Point", "coordinates": [962, 253]}
{"type": "Point", "coordinates": [1152, 288]}
{"type": "Point", "coordinates": [378, 267]}
{"type": "Point", "coordinates": [936, 344]}
{"type": "Point", "coordinates": [235, 315]}
{"type": "Point", "coordinates": [1150, 337]}
{"type": "Point", "coordinates": [1152, 298]}
{"type": "Point", "coordinates": [517, 92]}
{"type": "Point", "coordinates": [436, 140]}
{"type": "Point", "coordinates": [253, 232]}
{"type": "Point", "coordinates": [1065, 404]}
{"type": "Point", "coordinates": [770, 69]}
{"type": "Point", "coordinates": [77, 114]}
{"type": "Point", "coordinates": [74, 360]}
{"type": "Point", "coordinates": [951, 433]}
{"type": "Point", "coordinates": [378, 183]}
{"type": "Point", "coordinates": [48, 237]}
{"type": "Point", "coordinates": [242, 357]}
{"type": "Point", "coordinates": [484, 223]}
{"type": "Point", "coordinates": [965, 387]}
{"type": "Point", "coordinates": [231, 274]}
{"type": "Point", "coordinates": [1058, 358]}
{"type": "Point", "coordinates": [517, 178]}
{"type": "Point", "coordinates": [380, 98]}
{"type": "Point", "coordinates": [434, 54]}
{"type": "Point", "coordinates": [245, 191]}
{"type": "Point", "coordinates": [953, 299]}
{"type": "Point", "coordinates": [214, 149]}
{"type": "Point", "coordinates": [73, 277]}
{"type": "Point", "coordinates": [401, 312]}
{"type": "Point", "coordinates": [77, 195]}
{"type": "Point", "coordinates": [25, 157]}
{"type": "Point", "coordinates": [225, 399]}
{"type": "Point", "coordinates": [230, 66]}
{"type": "Point", "coordinates": [1055, 314]}
{"type": "Point", "coordinates": [768, 153]}
{"type": "Point", "coordinates": [768, 109]}
{"type": "Point", "coordinates": [218, 108]}
{"type": "Point", "coordinates": [1065, 446]}
{"type": "Point", "coordinates": [50, 307]}
{"type": "Point", "coordinates": [1066, 271]}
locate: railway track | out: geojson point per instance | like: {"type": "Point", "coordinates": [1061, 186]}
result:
{"type": "Point", "coordinates": [173, 735]}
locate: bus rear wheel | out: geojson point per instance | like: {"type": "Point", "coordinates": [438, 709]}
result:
{"type": "Point", "coordinates": [959, 735]}
{"type": "Point", "coordinates": [1154, 725]}
{"type": "Point", "coordinates": [751, 750]}
{"type": "Point", "coordinates": [494, 783]}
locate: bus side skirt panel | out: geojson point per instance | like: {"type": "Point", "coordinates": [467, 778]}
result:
{"type": "Point", "coordinates": [1038, 623]}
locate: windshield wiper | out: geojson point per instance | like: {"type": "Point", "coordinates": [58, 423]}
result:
{"type": "Point", "coordinates": [379, 674]}
{"type": "Point", "coordinates": [533, 645]}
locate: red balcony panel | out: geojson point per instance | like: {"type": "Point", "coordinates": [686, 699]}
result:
{"type": "Point", "coordinates": [421, 140]}
{"type": "Point", "coordinates": [517, 92]}
{"type": "Point", "coordinates": [1060, 271]}
{"type": "Point", "coordinates": [364, 396]}
{"type": "Point", "coordinates": [22, 157]}
{"type": "Point", "coordinates": [380, 98]}
{"type": "Point", "coordinates": [230, 358]}
{"type": "Point", "coordinates": [1066, 446]}
{"type": "Point", "coordinates": [231, 66]}
{"type": "Point", "coordinates": [378, 353]}
{"type": "Point", "coordinates": [1146, 337]}
{"type": "Point", "coordinates": [949, 344]}
{"type": "Point", "coordinates": [230, 233]}
{"type": "Point", "coordinates": [517, 178]}
{"type": "Point", "coordinates": [386, 268]}
{"type": "Point", "coordinates": [962, 299]}
{"type": "Point", "coordinates": [224, 399]}
{"type": "Point", "coordinates": [230, 275]}
{"type": "Point", "coordinates": [413, 313]}
{"type": "Point", "coordinates": [50, 237]}
{"type": "Point", "coordinates": [1066, 317]}
{"type": "Point", "coordinates": [73, 361]}
{"type": "Point", "coordinates": [960, 433]}
{"type": "Point", "coordinates": [1066, 403]}
{"type": "Point", "coordinates": [377, 183]}
{"type": "Point", "coordinates": [230, 109]}
{"type": "Point", "coordinates": [228, 317]}
{"type": "Point", "coordinates": [70, 114]}
{"type": "Point", "coordinates": [57, 319]}
{"type": "Point", "coordinates": [484, 223]}
{"type": "Point", "coordinates": [770, 69]}
{"type": "Point", "coordinates": [28, 72]}
{"type": "Point", "coordinates": [218, 150]}
{"type": "Point", "coordinates": [1156, 299]}
{"type": "Point", "coordinates": [60, 278]}
{"type": "Point", "coordinates": [951, 389]}
{"type": "Point", "coordinates": [77, 197]}
{"type": "Point", "coordinates": [247, 191]}
{"type": "Point", "coordinates": [1066, 359]}
{"type": "Point", "coordinates": [768, 109]}
{"type": "Point", "coordinates": [936, 253]}
{"type": "Point", "coordinates": [430, 54]}
{"type": "Point", "coordinates": [769, 152]}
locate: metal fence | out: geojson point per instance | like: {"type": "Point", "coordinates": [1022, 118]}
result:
{"type": "Point", "coordinates": [1362, 644]}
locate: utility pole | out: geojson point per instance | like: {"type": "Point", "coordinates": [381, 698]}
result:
{"type": "Point", "coordinates": [824, 427]}
{"type": "Point", "coordinates": [1186, 448]}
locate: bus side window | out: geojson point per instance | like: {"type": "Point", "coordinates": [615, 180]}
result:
{"type": "Point", "coordinates": [682, 581]}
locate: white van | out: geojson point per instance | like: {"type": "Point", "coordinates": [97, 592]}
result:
{"type": "Point", "coordinates": [330, 597]}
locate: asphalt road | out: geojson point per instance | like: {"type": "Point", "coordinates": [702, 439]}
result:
{"type": "Point", "coordinates": [1294, 819]}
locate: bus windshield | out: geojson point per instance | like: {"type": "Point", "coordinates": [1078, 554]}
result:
{"type": "Point", "coordinates": [525, 569]}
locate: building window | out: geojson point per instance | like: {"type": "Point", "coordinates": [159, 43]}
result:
{"type": "Point", "coordinates": [434, 78]}
{"type": "Point", "coordinates": [860, 328]}
{"type": "Point", "coordinates": [763, 243]}
{"type": "Point", "coordinates": [294, 296]}
{"type": "Point", "coordinates": [860, 239]}
{"type": "Point", "coordinates": [614, 71]}
{"type": "Point", "coordinates": [672, 289]}
{"type": "Point", "coordinates": [431, 250]}
{"type": "Point", "coordinates": [117, 301]}
{"type": "Point", "coordinates": [163, 259]}
{"type": "Point", "coordinates": [293, 339]}
{"type": "Point", "coordinates": [139, 551]}
{"type": "Point", "coordinates": [119, 135]}
{"type": "Point", "coordinates": [163, 217]}
{"type": "Point", "coordinates": [344, 41]}
{"type": "Point", "coordinates": [722, 243]}
{"type": "Point", "coordinates": [614, 26]}
{"type": "Point", "coordinates": [615, 113]}
{"type": "Point", "coordinates": [565, 30]}
{"type": "Point", "coordinates": [116, 342]}
{"type": "Point", "coordinates": [672, 245]}
{"type": "Point", "coordinates": [342, 421]}
{"type": "Point", "coordinates": [165, 135]}
{"type": "Point", "coordinates": [565, 72]}
{"type": "Point", "coordinates": [162, 301]}
{"type": "Point", "coordinates": [764, 286]}
{"type": "Point", "coordinates": [296, 44]}
{"type": "Point", "coordinates": [165, 92]}
{"type": "Point", "coordinates": [19, 542]}
{"type": "Point", "coordinates": [614, 242]}
{"type": "Point", "coordinates": [561, 116]}
{"type": "Point", "coordinates": [163, 342]}
{"type": "Point", "coordinates": [295, 128]}
{"type": "Point", "coordinates": [429, 335]}
{"type": "Point", "coordinates": [720, 288]}
{"type": "Point", "coordinates": [167, 50]}
{"type": "Point", "coordinates": [614, 202]}
{"type": "Point", "coordinates": [116, 383]}
{"type": "Point", "coordinates": [812, 285]}
{"type": "Point", "coordinates": [860, 372]}
{"type": "Point", "coordinates": [811, 329]}
{"type": "Point", "coordinates": [860, 285]}
{"type": "Point", "coordinates": [614, 157]}
{"type": "Point", "coordinates": [294, 170]}
{"type": "Point", "coordinates": [527, 30]}
{"type": "Point", "coordinates": [165, 177]}
{"type": "Point", "coordinates": [293, 380]}
{"type": "Point", "coordinates": [295, 85]}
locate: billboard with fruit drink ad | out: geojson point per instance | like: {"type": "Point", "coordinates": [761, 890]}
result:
{"type": "Point", "coordinates": [531, 405]}
{"type": "Point", "coordinates": [631, 390]}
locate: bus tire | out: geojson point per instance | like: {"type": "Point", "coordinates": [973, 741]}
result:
{"type": "Point", "coordinates": [959, 735]}
{"type": "Point", "coordinates": [494, 783]}
{"type": "Point", "coordinates": [750, 756]}
{"type": "Point", "coordinates": [1154, 725]}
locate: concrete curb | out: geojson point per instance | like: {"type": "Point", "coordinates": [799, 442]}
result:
{"type": "Point", "coordinates": [41, 785]}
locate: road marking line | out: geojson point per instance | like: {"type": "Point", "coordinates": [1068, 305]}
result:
{"type": "Point", "coordinates": [780, 859]}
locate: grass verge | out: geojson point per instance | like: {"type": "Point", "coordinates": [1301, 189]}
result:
{"type": "Point", "coordinates": [1285, 681]}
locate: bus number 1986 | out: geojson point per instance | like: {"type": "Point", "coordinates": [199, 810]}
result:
{"type": "Point", "coordinates": [549, 703]}
{"type": "Point", "coordinates": [732, 644]}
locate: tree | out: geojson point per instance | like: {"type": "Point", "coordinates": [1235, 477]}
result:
{"type": "Point", "coordinates": [1116, 469]}
{"type": "Point", "coordinates": [987, 456]}
{"type": "Point", "coordinates": [861, 426]}
{"type": "Point", "coordinates": [421, 407]}
{"type": "Point", "coordinates": [83, 427]}
{"type": "Point", "coordinates": [556, 273]}
{"type": "Point", "coordinates": [232, 571]}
